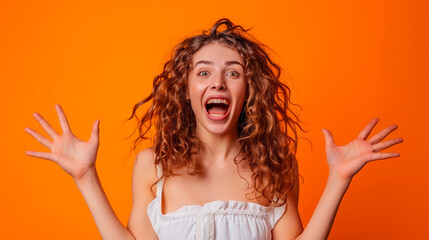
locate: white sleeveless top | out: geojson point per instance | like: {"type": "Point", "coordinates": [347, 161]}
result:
{"type": "Point", "coordinates": [220, 220]}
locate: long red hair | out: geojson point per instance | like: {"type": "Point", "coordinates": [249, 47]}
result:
{"type": "Point", "coordinates": [267, 126]}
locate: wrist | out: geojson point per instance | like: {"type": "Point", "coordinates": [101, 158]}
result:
{"type": "Point", "coordinates": [88, 176]}
{"type": "Point", "coordinates": [336, 180]}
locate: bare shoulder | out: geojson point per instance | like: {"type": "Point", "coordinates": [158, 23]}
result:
{"type": "Point", "coordinates": [146, 156]}
{"type": "Point", "coordinates": [144, 171]}
{"type": "Point", "coordinates": [144, 175]}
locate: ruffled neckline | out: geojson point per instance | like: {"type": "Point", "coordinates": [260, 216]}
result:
{"type": "Point", "coordinates": [217, 205]}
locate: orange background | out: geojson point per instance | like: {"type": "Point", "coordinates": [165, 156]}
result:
{"type": "Point", "coordinates": [348, 62]}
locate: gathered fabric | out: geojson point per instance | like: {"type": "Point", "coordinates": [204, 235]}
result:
{"type": "Point", "coordinates": [217, 220]}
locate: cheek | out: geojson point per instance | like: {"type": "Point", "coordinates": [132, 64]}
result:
{"type": "Point", "coordinates": [196, 89]}
{"type": "Point", "coordinates": [241, 90]}
{"type": "Point", "coordinates": [194, 94]}
{"type": "Point", "coordinates": [190, 92]}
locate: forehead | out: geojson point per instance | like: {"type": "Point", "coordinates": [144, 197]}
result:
{"type": "Point", "coordinates": [217, 53]}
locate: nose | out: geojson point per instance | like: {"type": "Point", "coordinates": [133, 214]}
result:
{"type": "Point", "coordinates": [218, 83]}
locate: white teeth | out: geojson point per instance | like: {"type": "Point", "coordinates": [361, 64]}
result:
{"type": "Point", "coordinates": [216, 115]}
{"type": "Point", "coordinates": [218, 100]}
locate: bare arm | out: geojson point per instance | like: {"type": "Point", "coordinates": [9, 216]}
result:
{"type": "Point", "coordinates": [289, 225]}
{"type": "Point", "coordinates": [77, 158]}
{"type": "Point", "coordinates": [105, 218]}
{"type": "Point", "coordinates": [323, 217]}
{"type": "Point", "coordinates": [139, 225]}
{"type": "Point", "coordinates": [344, 162]}
{"type": "Point", "coordinates": [144, 175]}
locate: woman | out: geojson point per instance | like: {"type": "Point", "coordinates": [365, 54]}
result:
{"type": "Point", "coordinates": [223, 162]}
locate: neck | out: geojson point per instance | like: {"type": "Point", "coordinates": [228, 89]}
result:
{"type": "Point", "coordinates": [219, 150]}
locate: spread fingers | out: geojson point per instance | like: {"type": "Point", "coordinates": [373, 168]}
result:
{"type": "Point", "coordinates": [41, 139]}
{"type": "Point", "coordinates": [63, 119]}
{"type": "Point", "coordinates": [46, 126]}
{"type": "Point", "coordinates": [383, 145]}
{"type": "Point", "coordinates": [381, 135]}
{"type": "Point", "coordinates": [368, 128]}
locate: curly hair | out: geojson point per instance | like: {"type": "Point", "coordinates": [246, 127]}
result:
{"type": "Point", "coordinates": [264, 136]}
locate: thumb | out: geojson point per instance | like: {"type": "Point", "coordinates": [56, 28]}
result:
{"type": "Point", "coordinates": [329, 140]}
{"type": "Point", "coordinates": [95, 131]}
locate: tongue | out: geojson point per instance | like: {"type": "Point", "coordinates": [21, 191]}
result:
{"type": "Point", "coordinates": [217, 109]}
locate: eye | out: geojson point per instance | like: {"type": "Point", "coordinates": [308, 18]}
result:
{"type": "Point", "coordinates": [233, 74]}
{"type": "Point", "coordinates": [203, 73]}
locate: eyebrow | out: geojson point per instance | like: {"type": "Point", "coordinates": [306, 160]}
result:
{"type": "Point", "coordinates": [228, 63]}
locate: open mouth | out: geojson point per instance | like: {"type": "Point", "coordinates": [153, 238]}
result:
{"type": "Point", "coordinates": [217, 108]}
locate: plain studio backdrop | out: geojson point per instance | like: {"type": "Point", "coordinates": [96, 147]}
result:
{"type": "Point", "coordinates": [346, 62]}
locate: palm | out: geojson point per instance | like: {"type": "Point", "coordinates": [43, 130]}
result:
{"type": "Point", "coordinates": [74, 155]}
{"type": "Point", "coordinates": [347, 160]}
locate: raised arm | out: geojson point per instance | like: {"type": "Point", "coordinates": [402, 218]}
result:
{"type": "Point", "coordinates": [77, 158]}
{"type": "Point", "coordinates": [344, 162]}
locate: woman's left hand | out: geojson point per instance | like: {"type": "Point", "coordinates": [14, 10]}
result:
{"type": "Point", "coordinates": [345, 161]}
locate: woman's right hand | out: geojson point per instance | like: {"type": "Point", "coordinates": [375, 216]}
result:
{"type": "Point", "coordinates": [75, 156]}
